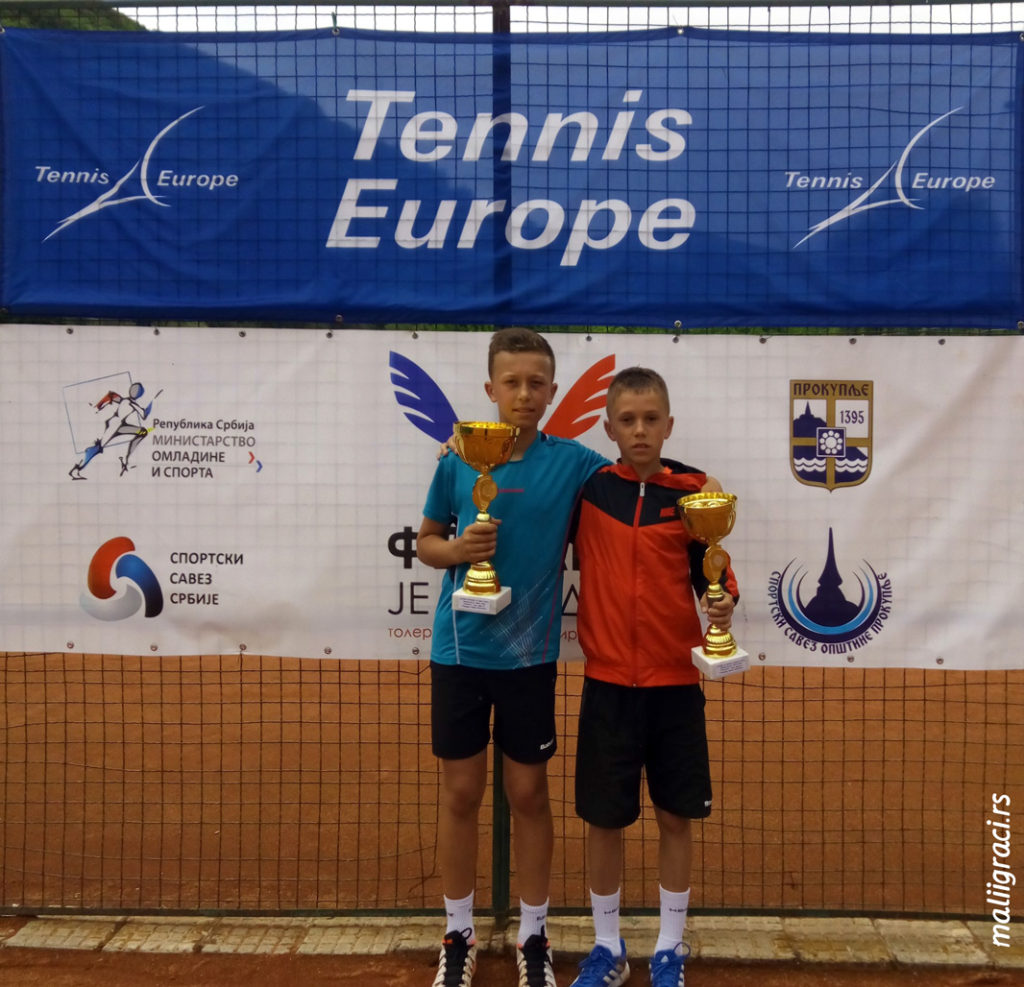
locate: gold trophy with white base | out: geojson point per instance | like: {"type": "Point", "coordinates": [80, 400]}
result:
{"type": "Point", "coordinates": [483, 446]}
{"type": "Point", "coordinates": [709, 517]}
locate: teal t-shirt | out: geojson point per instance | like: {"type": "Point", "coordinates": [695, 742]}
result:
{"type": "Point", "coordinates": [535, 502]}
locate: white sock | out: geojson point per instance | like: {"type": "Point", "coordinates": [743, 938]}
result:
{"type": "Point", "coordinates": [460, 916]}
{"type": "Point", "coordinates": [673, 918]}
{"type": "Point", "coordinates": [605, 908]}
{"type": "Point", "coordinates": [531, 920]}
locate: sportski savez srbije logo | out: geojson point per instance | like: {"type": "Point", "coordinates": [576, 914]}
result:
{"type": "Point", "coordinates": [120, 583]}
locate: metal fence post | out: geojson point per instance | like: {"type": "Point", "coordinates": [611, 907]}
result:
{"type": "Point", "coordinates": [501, 854]}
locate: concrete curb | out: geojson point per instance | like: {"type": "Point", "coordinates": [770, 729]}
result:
{"type": "Point", "coordinates": [852, 940]}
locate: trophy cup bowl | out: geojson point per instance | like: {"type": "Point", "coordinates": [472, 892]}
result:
{"type": "Point", "coordinates": [483, 446]}
{"type": "Point", "coordinates": [709, 517]}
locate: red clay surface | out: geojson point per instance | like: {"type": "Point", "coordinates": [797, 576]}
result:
{"type": "Point", "coordinates": [72, 968]}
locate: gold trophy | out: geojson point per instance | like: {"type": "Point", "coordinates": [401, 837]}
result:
{"type": "Point", "coordinates": [709, 517]}
{"type": "Point", "coordinates": [483, 445]}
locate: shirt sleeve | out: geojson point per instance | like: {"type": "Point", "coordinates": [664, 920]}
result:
{"type": "Point", "coordinates": [440, 505]}
{"type": "Point", "coordinates": [590, 462]}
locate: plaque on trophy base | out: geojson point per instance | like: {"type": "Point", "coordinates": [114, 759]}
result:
{"type": "Point", "coordinates": [718, 668]}
{"type": "Point", "coordinates": [488, 603]}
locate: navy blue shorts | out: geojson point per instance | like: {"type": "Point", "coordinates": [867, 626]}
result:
{"type": "Point", "coordinates": [523, 700]}
{"type": "Point", "coordinates": [624, 730]}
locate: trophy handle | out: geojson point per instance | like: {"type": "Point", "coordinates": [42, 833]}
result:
{"type": "Point", "coordinates": [484, 491]}
{"type": "Point", "coordinates": [716, 561]}
{"type": "Point", "coordinates": [717, 642]}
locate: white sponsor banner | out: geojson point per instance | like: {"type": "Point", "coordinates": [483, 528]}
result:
{"type": "Point", "coordinates": [206, 491]}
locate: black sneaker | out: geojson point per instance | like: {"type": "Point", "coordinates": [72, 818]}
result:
{"type": "Point", "coordinates": [533, 958]}
{"type": "Point", "coordinates": [457, 962]}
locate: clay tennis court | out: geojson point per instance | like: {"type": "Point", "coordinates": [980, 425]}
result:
{"type": "Point", "coordinates": [256, 785]}
{"type": "Point", "coordinates": [45, 968]}
{"type": "Point", "coordinates": [265, 785]}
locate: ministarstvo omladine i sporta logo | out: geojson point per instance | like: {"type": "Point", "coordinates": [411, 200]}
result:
{"type": "Point", "coordinates": [838, 611]}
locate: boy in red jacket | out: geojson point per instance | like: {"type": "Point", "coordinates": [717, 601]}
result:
{"type": "Point", "coordinates": [642, 705]}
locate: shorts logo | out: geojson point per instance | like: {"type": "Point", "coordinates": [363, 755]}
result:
{"type": "Point", "coordinates": [828, 621]}
{"type": "Point", "coordinates": [116, 558]}
{"type": "Point", "coordinates": [830, 432]}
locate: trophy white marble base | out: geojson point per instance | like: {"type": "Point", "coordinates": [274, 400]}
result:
{"type": "Point", "coordinates": [488, 603]}
{"type": "Point", "coordinates": [718, 668]}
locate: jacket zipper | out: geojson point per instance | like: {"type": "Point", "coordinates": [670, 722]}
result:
{"type": "Point", "coordinates": [636, 573]}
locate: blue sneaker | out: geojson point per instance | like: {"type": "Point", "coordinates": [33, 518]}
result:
{"type": "Point", "coordinates": [601, 969]}
{"type": "Point", "coordinates": [667, 967]}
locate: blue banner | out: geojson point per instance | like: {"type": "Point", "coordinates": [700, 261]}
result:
{"type": "Point", "coordinates": [675, 178]}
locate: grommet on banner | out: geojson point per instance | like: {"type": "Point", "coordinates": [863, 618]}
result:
{"type": "Point", "coordinates": [678, 324]}
{"type": "Point", "coordinates": [339, 319]}
{"type": "Point", "coordinates": [334, 23]}
{"type": "Point", "coordinates": [156, 331]}
{"type": "Point", "coordinates": [761, 656]}
{"type": "Point", "coordinates": [942, 342]}
{"type": "Point", "coordinates": [70, 645]}
{"type": "Point", "coordinates": [853, 340]}
{"type": "Point", "coordinates": [70, 330]}
{"type": "Point", "coordinates": [327, 651]}
{"type": "Point", "coordinates": [241, 332]}
{"type": "Point", "coordinates": [1020, 325]}
{"type": "Point", "coordinates": [762, 340]}
{"type": "Point", "coordinates": [154, 647]}
{"type": "Point", "coordinates": [940, 660]}
{"type": "Point", "coordinates": [242, 647]}
{"type": "Point", "coordinates": [330, 335]}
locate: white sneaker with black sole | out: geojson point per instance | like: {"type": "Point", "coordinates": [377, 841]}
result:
{"type": "Point", "coordinates": [457, 962]}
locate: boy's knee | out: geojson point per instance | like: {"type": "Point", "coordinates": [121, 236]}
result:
{"type": "Point", "coordinates": [462, 800]}
{"type": "Point", "coordinates": [673, 825]}
{"type": "Point", "coordinates": [529, 801]}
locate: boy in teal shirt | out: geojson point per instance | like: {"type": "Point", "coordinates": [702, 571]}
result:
{"type": "Point", "coordinates": [506, 661]}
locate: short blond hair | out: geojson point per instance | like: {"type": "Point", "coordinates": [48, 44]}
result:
{"type": "Point", "coordinates": [637, 380]}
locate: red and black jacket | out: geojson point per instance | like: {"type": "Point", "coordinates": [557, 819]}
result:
{"type": "Point", "coordinates": [639, 574]}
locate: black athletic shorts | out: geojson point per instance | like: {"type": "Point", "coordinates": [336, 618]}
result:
{"type": "Point", "coordinates": [523, 699]}
{"type": "Point", "coordinates": [624, 729]}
